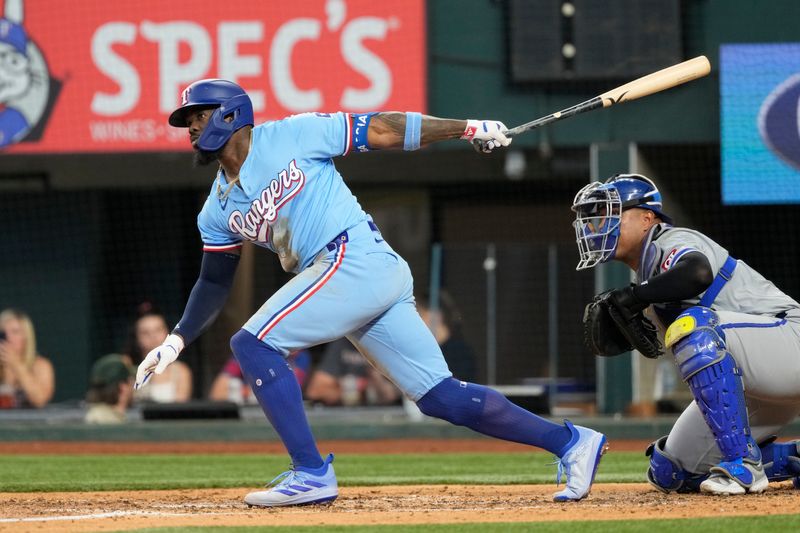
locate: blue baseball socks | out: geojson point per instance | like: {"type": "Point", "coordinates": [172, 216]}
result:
{"type": "Point", "coordinates": [276, 388]}
{"type": "Point", "coordinates": [487, 411]}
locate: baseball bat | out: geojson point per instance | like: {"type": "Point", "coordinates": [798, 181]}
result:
{"type": "Point", "coordinates": [651, 83]}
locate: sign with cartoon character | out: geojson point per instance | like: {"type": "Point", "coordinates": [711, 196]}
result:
{"type": "Point", "coordinates": [26, 89]}
{"type": "Point", "coordinates": [88, 76]}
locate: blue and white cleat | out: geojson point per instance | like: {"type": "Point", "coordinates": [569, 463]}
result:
{"type": "Point", "coordinates": [740, 476]}
{"type": "Point", "coordinates": [580, 463]}
{"type": "Point", "coordinates": [298, 486]}
{"type": "Point", "coordinates": [732, 478]}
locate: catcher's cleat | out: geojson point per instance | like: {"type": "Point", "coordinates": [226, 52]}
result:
{"type": "Point", "coordinates": [580, 463]}
{"type": "Point", "coordinates": [298, 486]}
{"type": "Point", "coordinates": [740, 476]}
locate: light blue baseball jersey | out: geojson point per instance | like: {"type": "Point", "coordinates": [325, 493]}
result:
{"type": "Point", "coordinates": [292, 200]}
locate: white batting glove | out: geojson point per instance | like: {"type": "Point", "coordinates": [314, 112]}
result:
{"type": "Point", "coordinates": [158, 359]}
{"type": "Point", "coordinates": [486, 135]}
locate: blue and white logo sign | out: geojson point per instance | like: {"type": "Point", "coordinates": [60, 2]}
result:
{"type": "Point", "coordinates": [760, 118]}
{"type": "Point", "coordinates": [777, 121]}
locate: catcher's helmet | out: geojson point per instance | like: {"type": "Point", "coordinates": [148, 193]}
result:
{"type": "Point", "coordinates": [598, 208]}
{"type": "Point", "coordinates": [231, 101]}
{"type": "Point", "coordinates": [639, 191]}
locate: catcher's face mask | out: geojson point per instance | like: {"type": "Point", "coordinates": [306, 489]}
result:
{"type": "Point", "coordinates": [598, 209]}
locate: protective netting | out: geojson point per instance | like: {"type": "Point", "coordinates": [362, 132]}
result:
{"type": "Point", "coordinates": [99, 199]}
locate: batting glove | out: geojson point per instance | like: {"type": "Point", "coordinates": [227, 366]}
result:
{"type": "Point", "coordinates": [486, 135]}
{"type": "Point", "coordinates": [158, 359]}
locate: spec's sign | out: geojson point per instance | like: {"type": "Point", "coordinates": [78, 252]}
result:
{"type": "Point", "coordinates": [87, 76]}
{"type": "Point", "coordinates": [760, 138]}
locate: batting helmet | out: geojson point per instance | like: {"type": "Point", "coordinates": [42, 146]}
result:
{"type": "Point", "coordinates": [598, 208]}
{"type": "Point", "coordinates": [231, 102]}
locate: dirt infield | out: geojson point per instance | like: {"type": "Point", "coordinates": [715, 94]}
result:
{"type": "Point", "coordinates": [106, 511]}
{"type": "Point", "coordinates": [124, 510]}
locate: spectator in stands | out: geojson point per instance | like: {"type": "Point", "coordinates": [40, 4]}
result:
{"type": "Point", "coordinates": [26, 378]}
{"type": "Point", "coordinates": [148, 332]}
{"type": "Point", "coordinates": [345, 377]}
{"type": "Point", "coordinates": [110, 390]}
{"type": "Point", "coordinates": [445, 323]}
{"type": "Point", "coordinates": [229, 385]}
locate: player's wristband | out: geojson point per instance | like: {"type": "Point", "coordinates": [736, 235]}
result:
{"type": "Point", "coordinates": [360, 130]}
{"type": "Point", "coordinates": [471, 129]}
{"type": "Point", "coordinates": [413, 131]}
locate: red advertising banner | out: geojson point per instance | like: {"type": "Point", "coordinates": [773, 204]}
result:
{"type": "Point", "coordinates": [89, 76]}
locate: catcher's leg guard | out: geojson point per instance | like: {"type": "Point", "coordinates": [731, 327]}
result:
{"type": "Point", "coordinates": [698, 344]}
{"type": "Point", "coordinates": [665, 474]}
{"type": "Point", "coordinates": [781, 459]}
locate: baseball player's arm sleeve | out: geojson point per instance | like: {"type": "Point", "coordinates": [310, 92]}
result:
{"type": "Point", "coordinates": [686, 278]}
{"type": "Point", "coordinates": [208, 295]}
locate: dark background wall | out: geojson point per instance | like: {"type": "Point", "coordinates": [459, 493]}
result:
{"type": "Point", "coordinates": [88, 237]}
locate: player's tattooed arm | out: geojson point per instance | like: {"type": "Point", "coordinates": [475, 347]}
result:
{"type": "Point", "coordinates": [387, 130]}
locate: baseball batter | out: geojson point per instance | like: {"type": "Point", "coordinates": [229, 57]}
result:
{"type": "Point", "coordinates": [278, 188]}
{"type": "Point", "coordinates": [734, 336]}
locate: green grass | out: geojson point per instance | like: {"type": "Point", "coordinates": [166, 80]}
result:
{"type": "Point", "coordinates": [131, 472]}
{"type": "Point", "coordinates": [744, 524]}
{"type": "Point", "coordinates": [24, 473]}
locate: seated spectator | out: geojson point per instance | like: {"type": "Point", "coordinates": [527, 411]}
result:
{"type": "Point", "coordinates": [175, 384]}
{"type": "Point", "coordinates": [445, 324]}
{"type": "Point", "coordinates": [110, 390]}
{"type": "Point", "coordinates": [26, 378]}
{"type": "Point", "coordinates": [229, 385]}
{"type": "Point", "coordinates": [345, 377]}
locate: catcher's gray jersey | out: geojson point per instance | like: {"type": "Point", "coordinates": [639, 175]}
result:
{"type": "Point", "coordinates": [762, 332]}
{"type": "Point", "coordinates": [747, 291]}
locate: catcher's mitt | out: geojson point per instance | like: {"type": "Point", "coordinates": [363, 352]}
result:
{"type": "Point", "coordinates": [600, 332]}
{"type": "Point", "coordinates": [613, 323]}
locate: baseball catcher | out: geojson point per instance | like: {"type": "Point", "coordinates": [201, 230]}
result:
{"type": "Point", "coordinates": [734, 335]}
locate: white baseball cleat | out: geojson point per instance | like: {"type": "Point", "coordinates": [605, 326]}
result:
{"type": "Point", "coordinates": [732, 478]}
{"type": "Point", "coordinates": [580, 463]}
{"type": "Point", "coordinates": [298, 486]}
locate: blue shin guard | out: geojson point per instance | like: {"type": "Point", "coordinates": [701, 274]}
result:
{"type": "Point", "coordinates": [698, 344]}
{"type": "Point", "coordinates": [276, 388]}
